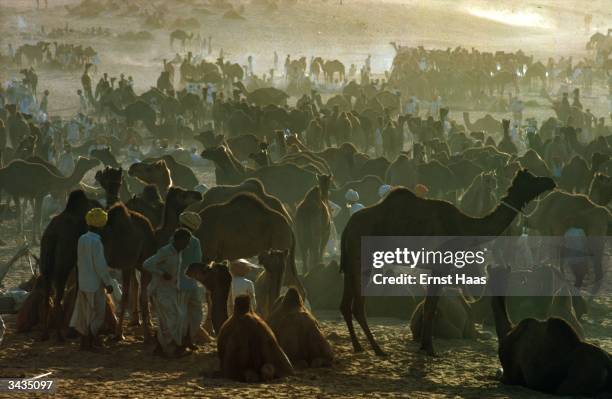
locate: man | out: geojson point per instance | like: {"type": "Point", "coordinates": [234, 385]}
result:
{"type": "Point", "coordinates": [44, 103]}
{"type": "Point", "coordinates": [93, 274]}
{"type": "Point", "coordinates": [83, 106]}
{"type": "Point", "coordinates": [190, 294]}
{"type": "Point", "coordinates": [66, 163]}
{"type": "Point", "coordinates": [165, 266]}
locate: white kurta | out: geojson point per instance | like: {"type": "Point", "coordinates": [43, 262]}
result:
{"type": "Point", "coordinates": [93, 274]}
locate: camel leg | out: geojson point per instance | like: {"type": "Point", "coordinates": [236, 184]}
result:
{"type": "Point", "coordinates": [59, 315]}
{"type": "Point", "coordinates": [346, 310]}
{"type": "Point", "coordinates": [36, 219]}
{"type": "Point", "coordinates": [133, 301]}
{"type": "Point", "coordinates": [45, 312]}
{"type": "Point", "coordinates": [145, 279]}
{"type": "Point", "coordinates": [359, 313]}
{"type": "Point", "coordinates": [19, 215]}
{"type": "Point", "coordinates": [429, 311]}
{"type": "Point", "coordinates": [127, 277]}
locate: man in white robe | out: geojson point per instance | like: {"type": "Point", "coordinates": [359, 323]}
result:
{"type": "Point", "coordinates": [93, 276]}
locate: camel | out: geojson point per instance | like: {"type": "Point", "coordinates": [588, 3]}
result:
{"type": "Point", "coordinates": [217, 280]}
{"type": "Point", "coordinates": [181, 36]}
{"type": "Point", "coordinates": [177, 201]}
{"type": "Point", "coordinates": [546, 355]}
{"type": "Point", "coordinates": [312, 223]}
{"type": "Point", "coordinates": [367, 188]}
{"type": "Point", "coordinates": [263, 96]}
{"type": "Point", "coordinates": [58, 254]}
{"type": "Point", "coordinates": [221, 194]}
{"type": "Point", "coordinates": [299, 334]}
{"type": "Point", "coordinates": [559, 211]}
{"type": "Point", "coordinates": [288, 182]}
{"type": "Point", "coordinates": [531, 160]}
{"type": "Point", "coordinates": [241, 146]}
{"type": "Point", "coordinates": [129, 240]}
{"type": "Point", "coordinates": [269, 283]}
{"type": "Point", "coordinates": [248, 349]}
{"type": "Point", "coordinates": [148, 204]}
{"type": "Point", "coordinates": [261, 229]}
{"type": "Point", "coordinates": [402, 213]}
{"type": "Point", "coordinates": [331, 67]}
{"type": "Point", "coordinates": [231, 72]}
{"type": "Point", "coordinates": [105, 156]}
{"type": "Point", "coordinates": [536, 71]}
{"type": "Point", "coordinates": [487, 124]}
{"type": "Point", "coordinates": [180, 174]}
{"type": "Point", "coordinates": [506, 144]}
{"type": "Point", "coordinates": [156, 173]}
{"type": "Point", "coordinates": [479, 199]}
{"type": "Point", "coordinates": [26, 180]}
{"type": "Point", "coordinates": [453, 319]}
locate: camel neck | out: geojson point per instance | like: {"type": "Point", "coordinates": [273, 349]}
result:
{"type": "Point", "coordinates": [493, 224]}
{"type": "Point", "coordinates": [171, 218]}
{"type": "Point", "coordinates": [219, 307]}
{"type": "Point", "coordinates": [500, 315]}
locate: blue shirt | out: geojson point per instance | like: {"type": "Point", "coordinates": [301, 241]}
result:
{"type": "Point", "coordinates": [191, 254]}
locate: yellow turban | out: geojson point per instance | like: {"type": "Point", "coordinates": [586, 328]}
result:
{"type": "Point", "coordinates": [96, 217]}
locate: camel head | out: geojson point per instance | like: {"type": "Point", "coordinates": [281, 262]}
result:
{"type": "Point", "coordinates": [600, 190]}
{"type": "Point", "coordinates": [525, 187]}
{"type": "Point", "coordinates": [179, 198]}
{"type": "Point", "coordinates": [110, 180]}
{"type": "Point", "coordinates": [78, 204]}
{"type": "Point", "coordinates": [150, 194]}
{"type": "Point", "coordinates": [260, 158]}
{"type": "Point", "coordinates": [215, 154]}
{"type": "Point", "coordinates": [85, 164]}
{"type": "Point", "coordinates": [292, 300]}
{"type": "Point", "coordinates": [152, 173]}
{"type": "Point", "coordinates": [105, 156]}
{"type": "Point", "coordinates": [324, 182]}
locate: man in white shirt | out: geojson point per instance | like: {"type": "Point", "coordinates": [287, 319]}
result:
{"type": "Point", "coordinates": [93, 274]}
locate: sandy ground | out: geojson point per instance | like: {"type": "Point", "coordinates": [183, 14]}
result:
{"type": "Point", "coordinates": [464, 369]}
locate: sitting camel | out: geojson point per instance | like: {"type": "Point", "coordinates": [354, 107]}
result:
{"type": "Point", "coordinates": [268, 284]}
{"type": "Point", "coordinates": [217, 280]}
{"type": "Point", "coordinates": [156, 173]}
{"type": "Point", "coordinates": [546, 355]}
{"type": "Point", "coordinates": [299, 334]}
{"type": "Point", "coordinates": [261, 228]}
{"type": "Point", "coordinates": [453, 319]}
{"type": "Point", "coordinates": [248, 349]}
{"type": "Point", "coordinates": [402, 213]}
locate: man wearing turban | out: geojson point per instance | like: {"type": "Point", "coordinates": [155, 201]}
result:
{"type": "Point", "coordinates": [93, 273]}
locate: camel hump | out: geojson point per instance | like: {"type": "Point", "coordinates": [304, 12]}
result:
{"type": "Point", "coordinates": [242, 304]}
{"type": "Point", "coordinates": [292, 299]}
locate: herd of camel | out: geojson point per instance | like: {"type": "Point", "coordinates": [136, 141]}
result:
{"type": "Point", "coordinates": [271, 201]}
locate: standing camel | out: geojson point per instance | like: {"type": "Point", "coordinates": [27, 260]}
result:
{"type": "Point", "coordinates": [402, 213]}
{"type": "Point", "coordinates": [27, 180]}
{"type": "Point", "coordinates": [58, 255]}
{"type": "Point", "coordinates": [312, 223]}
{"type": "Point", "coordinates": [129, 240]}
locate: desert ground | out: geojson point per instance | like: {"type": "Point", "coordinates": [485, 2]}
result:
{"type": "Point", "coordinates": [349, 32]}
